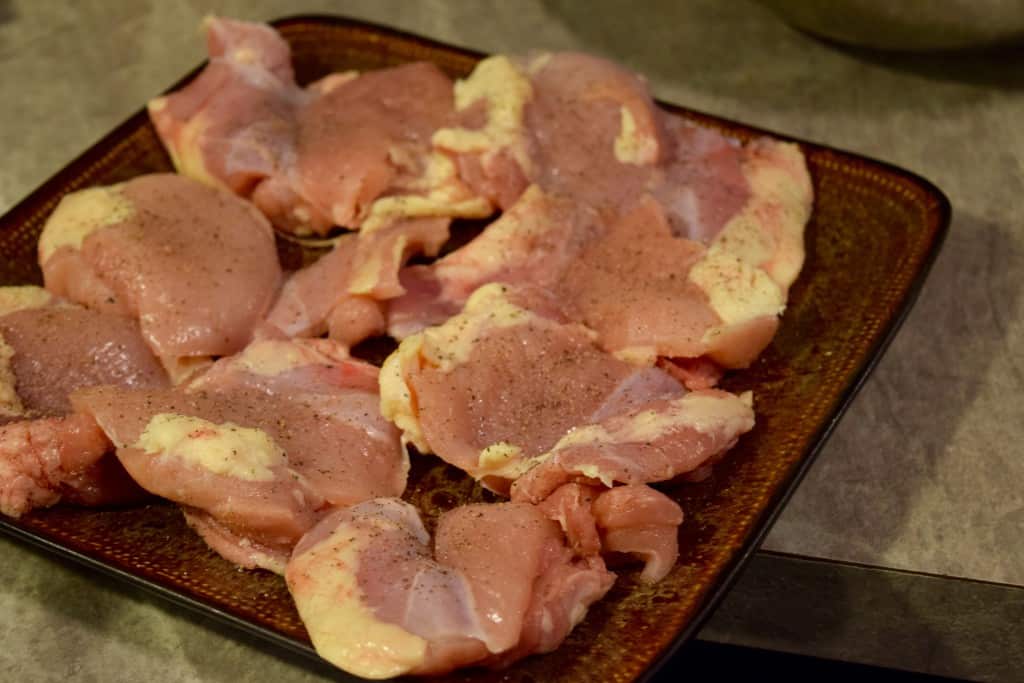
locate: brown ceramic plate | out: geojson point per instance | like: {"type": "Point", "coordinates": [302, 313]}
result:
{"type": "Point", "coordinates": [873, 235]}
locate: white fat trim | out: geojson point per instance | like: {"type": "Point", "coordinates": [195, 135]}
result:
{"type": "Point", "coordinates": [81, 213]}
{"type": "Point", "coordinates": [344, 629]}
{"type": "Point", "coordinates": [10, 402]}
{"type": "Point", "coordinates": [507, 90]}
{"type": "Point", "coordinates": [21, 298]}
{"type": "Point", "coordinates": [396, 397]}
{"type": "Point", "coordinates": [633, 146]}
{"type": "Point", "coordinates": [226, 449]}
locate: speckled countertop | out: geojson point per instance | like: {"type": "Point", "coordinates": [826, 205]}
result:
{"type": "Point", "coordinates": [924, 473]}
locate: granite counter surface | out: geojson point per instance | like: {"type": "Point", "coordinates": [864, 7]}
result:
{"type": "Point", "coordinates": [924, 473]}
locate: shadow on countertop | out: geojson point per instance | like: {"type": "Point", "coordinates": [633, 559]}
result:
{"type": "Point", "coordinates": [896, 435]}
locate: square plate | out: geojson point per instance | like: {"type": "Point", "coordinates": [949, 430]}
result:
{"type": "Point", "coordinates": [872, 237]}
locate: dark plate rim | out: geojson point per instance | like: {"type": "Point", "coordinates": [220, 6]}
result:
{"type": "Point", "coordinates": [939, 216]}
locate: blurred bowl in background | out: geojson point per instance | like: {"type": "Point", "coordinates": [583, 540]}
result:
{"type": "Point", "coordinates": [908, 25]}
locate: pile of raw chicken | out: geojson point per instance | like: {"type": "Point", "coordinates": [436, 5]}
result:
{"type": "Point", "coordinates": [565, 357]}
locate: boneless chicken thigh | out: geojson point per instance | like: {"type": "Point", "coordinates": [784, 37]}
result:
{"type": "Point", "coordinates": [48, 349]}
{"type": "Point", "coordinates": [260, 446]}
{"type": "Point", "coordinates": [362, 157]}
{"type": "Point", "coordinates": [351, 150]}
{"type": "Point", "coordinates": [499, 384]}
{"type": "Point", "coordinates": [520, 398]}
{"type": "Point", "coordinates": [211, 453]}
{"type": "Point", "coordinates": [574, 124]}
{"type": "Point", "coordinates": [582, 127]}
{"type": "Point", "coordinates": [46, 460]}
{"type": "Point", "coordinates": [505, 386]}
{"type": "Point", "coordinates": [363, 152]}
{"type": "Point", "coordinates": [669, 240]}
{"type": "Point", "coordinates": [195, 265]}
{"type": "Point", "coordinates": [233, 125]}
{"type": "Point", "coordinates": [646, 291]}
{"type": "Point", "coordinates": [51, 347]}
{"type": "Point", "coordinates": [379, 601]}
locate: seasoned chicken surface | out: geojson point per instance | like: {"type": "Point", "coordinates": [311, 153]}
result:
{"type": "Point", "coordinates": [380, 601]}
{"type": "Point", "coordinates": [260, 446]}
{"type": "Point", "coordinates": [195, 265]}
{"type": "Point", "coordinates": [48, 349]}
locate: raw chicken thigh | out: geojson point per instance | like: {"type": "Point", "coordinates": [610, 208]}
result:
{"type": "Point", "coordinates": [351, 150]}
{"type": "Point", "coordinates": [573, 124]}
{"type": "Point", "coordinates": [260, 446]}
{"type": "Point", "coordinates": [363, 152]}
{"type": "Point", "coordinates": [49, 348]}
{"type": "Point", "coordinates": [497, 386]}
{"type": "Point", "coordinates": [211, 453]}
{"type": "Point", "coordinates": [509, 387]}
{"type": "Point", "coordinates": [516, 396]}
{"type": "Point", "coordinates": [645, 291]}
{"type": "Point", "coordinates": [669, 240]}
{"type": "Point", "coordinates": [46, 460]}
{"type": "Point", "coordinates": [378, 601]}
{"type": "Point", "coordinates": [195, 265]}
{"type": "Point", "coordinates": [582, 127]}
{"type": "Point", "coordinates": [648, 293]}
{"type": "Point", "coordinates": [233, 125]}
